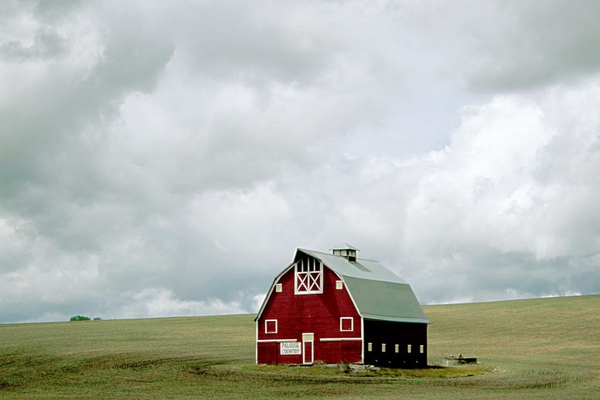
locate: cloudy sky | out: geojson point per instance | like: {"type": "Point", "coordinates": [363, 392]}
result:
{"type": "Point", "coordinates": [167, 159]}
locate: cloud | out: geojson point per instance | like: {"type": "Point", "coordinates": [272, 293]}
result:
{"type": "Point", "coordinates": [160, 160]}
{"type": "Point", "coordinates": [162, 303]}
{"type": "Point", "coordinates": [509, 202]}
{"type": "Point", "coordinates": [507, 46]}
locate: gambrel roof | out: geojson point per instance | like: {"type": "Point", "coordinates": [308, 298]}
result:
{"type": "Point", "coordinates": [376, 291]}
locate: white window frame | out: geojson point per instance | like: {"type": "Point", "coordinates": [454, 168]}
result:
{"type": "Point", "coordinates": [267, 324]}
{"type": "Point", "coordinates": [339, 285]}
{"type": "Point", "coordinates": [409, 348]}
{"type": "Point", "coordinates": [369, 347]}
{"type": "Point", "coordinates": [397, 348]}
{"type": "Point", "coordinates": [351, 324]}
{"type": "Point", "coordinates": [422, 349]}
{"type": "Point", "coordinates": [278, 287]}
{"type": "Point", "coordinates": [308, 276]}
{"type": "Point", "coordinates": [383, 347]}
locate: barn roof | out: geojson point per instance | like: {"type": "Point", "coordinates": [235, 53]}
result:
{"type": "Point", "coordinates": [361, 268]}
{"type": "Point", "coordinates": [377, 292]}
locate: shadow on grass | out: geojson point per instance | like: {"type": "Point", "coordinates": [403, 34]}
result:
{"type": "Point", "coordinates": [347, 372]}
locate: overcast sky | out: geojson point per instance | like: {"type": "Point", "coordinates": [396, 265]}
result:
{"type": "Point", "coordinates": [168, 159]}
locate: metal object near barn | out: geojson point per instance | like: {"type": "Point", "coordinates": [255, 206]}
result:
{"type": "Point", "coordinates": [460, 360]}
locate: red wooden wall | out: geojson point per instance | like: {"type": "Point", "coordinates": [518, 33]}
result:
{"type": "Point", "coordinates": [309, 313]}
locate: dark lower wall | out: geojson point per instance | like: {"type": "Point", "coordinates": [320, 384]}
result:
{"type": "Point", "coordinates": [336, 352]}
{"type": "Point", "coordinates": [397, 337]}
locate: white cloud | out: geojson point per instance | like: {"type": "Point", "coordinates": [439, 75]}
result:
{"type": "Point", "coordinates": [160, 302]}
{"type": "Point", "coordinates": [498, 199]}
{"type": "Point", "coordinates": [174, 168]}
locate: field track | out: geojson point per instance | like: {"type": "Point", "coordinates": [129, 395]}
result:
{"type": "Point", "coordinates": [528, 349]}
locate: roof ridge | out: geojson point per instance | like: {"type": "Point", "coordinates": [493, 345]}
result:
{"type": "Point", "coordinates": [333, 255]}
{"type": "Point", "coordinates": [344, 246]}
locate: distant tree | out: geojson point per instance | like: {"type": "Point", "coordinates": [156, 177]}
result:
{"type": "Point", "coordinates": [80, 318]}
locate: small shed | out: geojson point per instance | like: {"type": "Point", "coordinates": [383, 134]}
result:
{"type": "Point", "coordinates": [336, 307]}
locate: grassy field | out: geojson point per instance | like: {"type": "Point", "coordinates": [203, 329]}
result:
{"type": "Point", "coordinates": [528, 349]}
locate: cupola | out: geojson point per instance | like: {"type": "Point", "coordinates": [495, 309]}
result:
{"type": "Point", "coordinates": [345, 250]}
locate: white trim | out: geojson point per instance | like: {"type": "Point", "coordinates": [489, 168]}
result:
{"type": "Point", "coordinates": [276, 340]}
{"type": "Point", "coordinates": [342, 339]}
{"type": "Point", "coordinates": [256, 344]}
{"type": "Point", "coordinates": [266, 322]}
{"type": "Point", "coordinates": [351, 324]}
{"type": "Point", "coordinates": [271, 289]}
{"type": "Point", "coordinates": [308, 338]}
{"type": "Point", "coordinates": [339, 285]}
{"type": "Point", "coordinates": [278, 288]}
{"type": "Point", "coordinates": [362, 336]}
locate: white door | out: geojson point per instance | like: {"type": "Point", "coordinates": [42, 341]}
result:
{"type": "Point", "coordinates": [308, 348]}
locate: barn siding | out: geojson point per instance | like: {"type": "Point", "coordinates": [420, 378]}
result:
{"type": "Point", "coordinates": [267, 353]}
{"type": "Point", "coordinates": [309, 313]}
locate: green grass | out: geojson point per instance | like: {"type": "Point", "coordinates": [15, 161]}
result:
{"type": "Point", "coordinates": [537, 349]}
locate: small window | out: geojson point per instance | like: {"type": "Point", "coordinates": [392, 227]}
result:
{"type": "Point", "coordinates": [339, 285]}
{"type": "Point", "coordinates": [346, 324]}
{"type": "Point", "coordinates": [397, 348]}
{"type": "Point", "coordinates": [279, 288]}
{"type": "Point", "coordinates": [383, 347]}
{"type": "Point", "coordinates": [409, 348]}
{"type": "Point", "coordinates": [421, 349]}
{"type": "Point", "coordinates": [369, 346]}
{"type": "Point", "coordinates": [271, 326]}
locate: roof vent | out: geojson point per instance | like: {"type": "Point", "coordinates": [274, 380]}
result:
{"type": "Point", "coordinates": [345, 250]}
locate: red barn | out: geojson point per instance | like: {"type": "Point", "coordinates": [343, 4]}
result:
{"type": "Point", "coordinates": [340, 308]}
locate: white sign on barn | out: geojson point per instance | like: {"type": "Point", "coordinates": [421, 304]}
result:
{"type": "Point", "coordinates": [288, 348]}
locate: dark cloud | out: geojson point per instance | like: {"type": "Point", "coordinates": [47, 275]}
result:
{"type": "Point", "coordinates": [527, 45]}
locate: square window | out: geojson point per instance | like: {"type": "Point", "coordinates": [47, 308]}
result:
{"type": "Point", "coordinates": [339, 285]}
{"type": "Point", "coordinates": [271, 326]}
{"type": "Point", "coordinates": [279, 288]}
{"type": "Point", "coordinates": [346, 324]}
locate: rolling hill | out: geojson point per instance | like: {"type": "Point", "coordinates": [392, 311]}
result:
{"type": "Point", "coordinates": [538, 349]}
